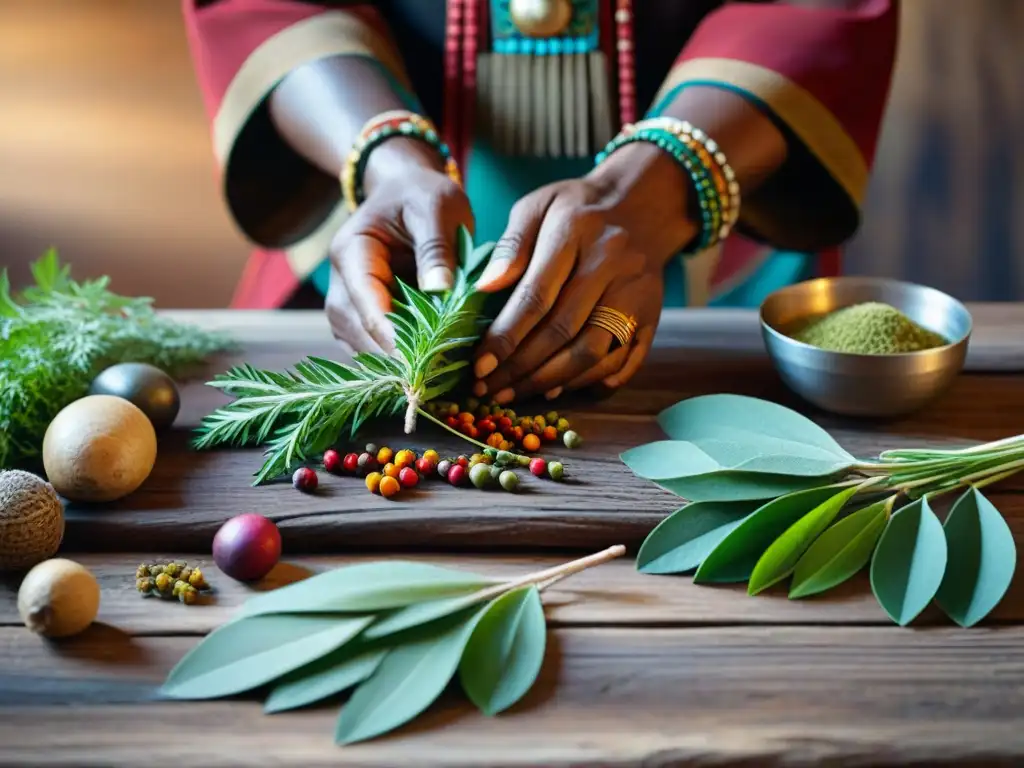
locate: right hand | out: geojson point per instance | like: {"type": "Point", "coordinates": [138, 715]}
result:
{"type": "Point", "coordinates": [407, 224]}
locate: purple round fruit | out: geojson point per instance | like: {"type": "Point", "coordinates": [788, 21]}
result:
{"type": "Point", "coordinates": [247, 547]}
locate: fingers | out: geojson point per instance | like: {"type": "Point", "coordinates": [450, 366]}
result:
{"type": "Point", "coordinates": [567, 318]}
{"type": "Point", "coordinates": [637, 355]}
{"type": "Point", "coordinates": [512, 251]}
{"type": "Point", "coordinates": [365, 268]}
{"type": "Point", "coordinates": [345, 323]}
{"type": "Point", "coordinates": [433, 227]}
{"type": "Point", "coordinates": [550, 265]}
{"type": "Point", "coordinates": [585, 352]}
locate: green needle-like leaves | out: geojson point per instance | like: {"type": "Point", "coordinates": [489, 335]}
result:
{"type": "Point", "coordinates": [982, 559]}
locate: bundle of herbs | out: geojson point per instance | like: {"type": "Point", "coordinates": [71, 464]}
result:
{"type": "Point", "coordinates": [59, 334]}
{"type": "Point", "coordinates": [772, 496]}
{"type": "Point", "coordinates": [397, 632]}
{"type": "Point", "coordinates": [298, 414]}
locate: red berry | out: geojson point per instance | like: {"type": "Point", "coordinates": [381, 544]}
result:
{"type": "Point", "coordinates": [457, 474]}
{"type": "Point", "coordinates": [408, 477]}
{"type": "Point", "coordinates": [305, 479]}
{"type": "Point", "coordinates": [504, 423]}
{"type": "Point", "coordinates": [466, 417]}
{"type": "Point", "coordinates": [425, 466]}
{"type": "Point", "coordinates": [485, 425]}
{"type": "Point", "coordinates": [473, 431]}
{"type": "Point", "coordinates": [463, 460]}
{"type": "Point", "coordinates": [467, 429]}
{"type": "Point", "coordinates": [452, 422]}
{"type": "Point", "coordinates": [332, 461]}
{"type": "Point", "coordinates": [351, 462]}
{"type": "Point", "coordinates": [538, 467]}
{"type": "Point", "coordinates": [247, 547]}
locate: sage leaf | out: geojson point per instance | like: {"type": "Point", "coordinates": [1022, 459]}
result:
{"type": "Point", "coordinates": [408, 680]}
{"type": "Point", "coordinates": [243, 655]}
{"type": "Point", "coordinates": [419, 614]}
{"type": "Point", "coordinates": [738, 486]}
{"type": "Point", "coordinates": [982, 559]}
{"type": "Point", "coordinates": [909, 562]}
{"type": "Point", "coordinates": [367, 587]}
{"type": "Point", "coordinates": [735, 556]}
{"type": "Point", "coordinates": [840, 552]}
{"type": "Point", "coordinates": [723, 415]}
{"type": "Point", "coordinates": [779, 560]}
{"type": "Point", "coordinates": [505, 652]}
{"type": "Point", "coordinates": [670, 459]}
{"type": "Point", "coordinates": [682, 540]}
{"type": "Point", "coordinates": [323, 678]}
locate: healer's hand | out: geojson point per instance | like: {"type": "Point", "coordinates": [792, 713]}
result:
{"type": "Point", "coordinates": [602, 240]}
{"type": "Point", "coordinates": [408, 221]}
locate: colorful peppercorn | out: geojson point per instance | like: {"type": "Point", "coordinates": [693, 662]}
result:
{"type": "Point", "coordinates": [389, 486]}
{"type": "Point", "coordinates": [480, 476]}
{"type": "Point", "coordinates": [333, 461]}
{"type": "Point", "coordinates": [509, 480]}
{"type": "Point", "coordinates": [366, 463]}
{"type": "Point", "coordinates": [371, 448]}
{"type": "Point", "coordinates": [563, 424]}
{"type": "Point", "coordinates": [425, 466]}
{"type": "Point", "coordinates": [538, 467]}
{"type": "Point", "coordinates": [457, 474]}
{"type": "Point", "coordinates": [571, 439]}
{"type": "Point", "coordinates": [531, 443]}
{"type": "Point", "coordinates": [408, 477]}
{"type": "Point", "coordinates": [443, 467]}
{"type": "Point", "coordinates": [431, 455]}
{"type": "Point", "coordinates": [552, 417]}
{"type": "Point", "coordinates": [405, 458]}
{"type": "Point", "coordinates": [549, 434]}
{"type": "Point", "coordinates": [373, 481]}
{"type": "Point", "coordinates": [384, 456]}
{"type": "Point", "coordinates": [555, 470]}
{"type": "Point", "coordinates": [351, 462]}
{"type": "Point", "coordinates": [391, 470]}
{"type": "Point", "coordinates": [304, 479]}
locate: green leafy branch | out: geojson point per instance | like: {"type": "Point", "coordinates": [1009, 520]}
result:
{"type": "Point", "coordinates": [59, 334]}
{"type": "Point", "coordinates": [299, 413]}
{"type": "Point", "coordinates": [397, 632]}
{"type": "Point", "coordinates": [774, 497]}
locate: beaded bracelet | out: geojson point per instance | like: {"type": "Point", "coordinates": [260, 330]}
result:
{"type": "Point", "coordinates": [713, 179]}
{"type": "Point", "coordinates": [375, 132]}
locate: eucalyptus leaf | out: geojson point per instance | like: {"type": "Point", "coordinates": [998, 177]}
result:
{"type": "Point", "coordinates": [722, 415]}
{"type": "Point", "coordinates": [505, 653]}
{"type": "Point", "coordinates": [408, 680]}
{"type": "Point", "coordinates": [682, 540]}
{"type": "Point", "coordinates": [981, 562]}
{"type": "Point", "coordinates": [671, 459]}
{"type": "Point", "coordinates": [363, 587]}
{"type": "Point", "coordinates": [736, 555]}
{"type": "Point", "coordinates": [779, 560]}
{"type": "Point", "coordinates": [246, 654]}
{"type": "Point", "coordinates": [739, 486]}
{"type": "Point", "coordinates": [419, 614]}
{"type": "Point", "coordinates": [909, 562]}
{"type": "Point", "coordinates": [323, 678]}
{"type": "Point", "coordinates": [840, 552]}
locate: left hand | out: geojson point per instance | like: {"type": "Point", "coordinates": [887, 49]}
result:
{"type": "Point", "coordinates": [602, 240]}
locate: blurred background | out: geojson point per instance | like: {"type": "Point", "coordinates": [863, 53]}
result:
{"type": "Point", "coordinates": [105, 154]}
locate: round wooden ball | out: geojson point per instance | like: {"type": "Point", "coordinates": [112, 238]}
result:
{"type": "Point", "coordinates": [99, 448]}
{"type": "Point", "coordinates": [143, 385]}
{"type": "Point", "coordinates": [31, 520]}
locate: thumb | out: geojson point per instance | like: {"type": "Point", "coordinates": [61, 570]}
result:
{"type": "Point", "coordinates": [512, 252]}
{"type": "Point", "coordinates": [434, 238]}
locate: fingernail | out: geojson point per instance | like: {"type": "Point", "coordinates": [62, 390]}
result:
{"type": "Point", "coordinates": [552, 394]}
{"type": "Point", "coordinates": [484, 365]}
{"type": "Point", "coordinates": [494, 270]}
{"type": "Point", "coordinates": [505, 396]}
{"type": "Point", "coordinates": [480, 389]}
{"type": "Point", "coordinates": [437, 279]}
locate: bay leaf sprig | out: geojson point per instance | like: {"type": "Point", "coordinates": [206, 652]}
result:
{"type": "Point", "coordinates": [772, 496]}
{"type": "Point", "coordinates": [297, 414]}
{"type": "Point", "coordinates": [396, 632]}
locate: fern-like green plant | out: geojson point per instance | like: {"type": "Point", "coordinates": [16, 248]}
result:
{"type": "Point", "coordinates": [298, 414]}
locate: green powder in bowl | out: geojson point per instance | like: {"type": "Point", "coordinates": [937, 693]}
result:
{"type": "Point", "coordinates": [871, 328]}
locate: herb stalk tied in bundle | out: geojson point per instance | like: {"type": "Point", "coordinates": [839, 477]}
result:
{"type": "Point", "coordinates": [396, 632]}
{"type": "Point", "coordinates": [774, 497]}
{"type": "Point", "coordinates": [299, 414]}
{"type": "Point", "coordinates": [59, 334]}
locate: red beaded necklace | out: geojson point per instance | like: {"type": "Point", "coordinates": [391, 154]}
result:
{"type": "Point", "coordinates": [465, 29]}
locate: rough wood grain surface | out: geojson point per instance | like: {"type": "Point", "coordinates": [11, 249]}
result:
{"type": "Point", "coordinates": [780, 696]}
{"type": "Point", "coordinates": [190, 494]}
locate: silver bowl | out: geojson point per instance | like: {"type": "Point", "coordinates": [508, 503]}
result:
{"type": "Point", "coordinates": [865, 385]}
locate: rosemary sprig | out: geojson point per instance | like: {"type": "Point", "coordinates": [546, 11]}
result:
{"type": "Point", "coordinates": [298, 414]}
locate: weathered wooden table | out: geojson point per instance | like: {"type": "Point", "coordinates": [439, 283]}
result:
{"type": "Point", "coordinates": [641, 670]}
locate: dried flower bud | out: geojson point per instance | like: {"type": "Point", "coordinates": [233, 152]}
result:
{"type": "Point", "coordinates": [145, 585]}
{"type": "Point", "coordinates": [197, 580]}
{"type": "Point", "coordinates": [164, 582]}
{"type": "Point", "coordinates": [172, 569]}
{"type": "Point", "coordinates": [156, 570]}
{"type": "Point", "coordinates": [142, 571]}
{"type": "Point", "coordinates": [189, 595]}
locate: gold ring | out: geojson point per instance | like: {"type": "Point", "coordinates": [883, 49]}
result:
{"type": "Point", "coordinates": [618, 324]}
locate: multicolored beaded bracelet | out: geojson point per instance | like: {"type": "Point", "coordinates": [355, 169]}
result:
{"type": "Point", "coordinates": [375, 132]}
{"type": "Point", "coordinates": [713, 179]}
